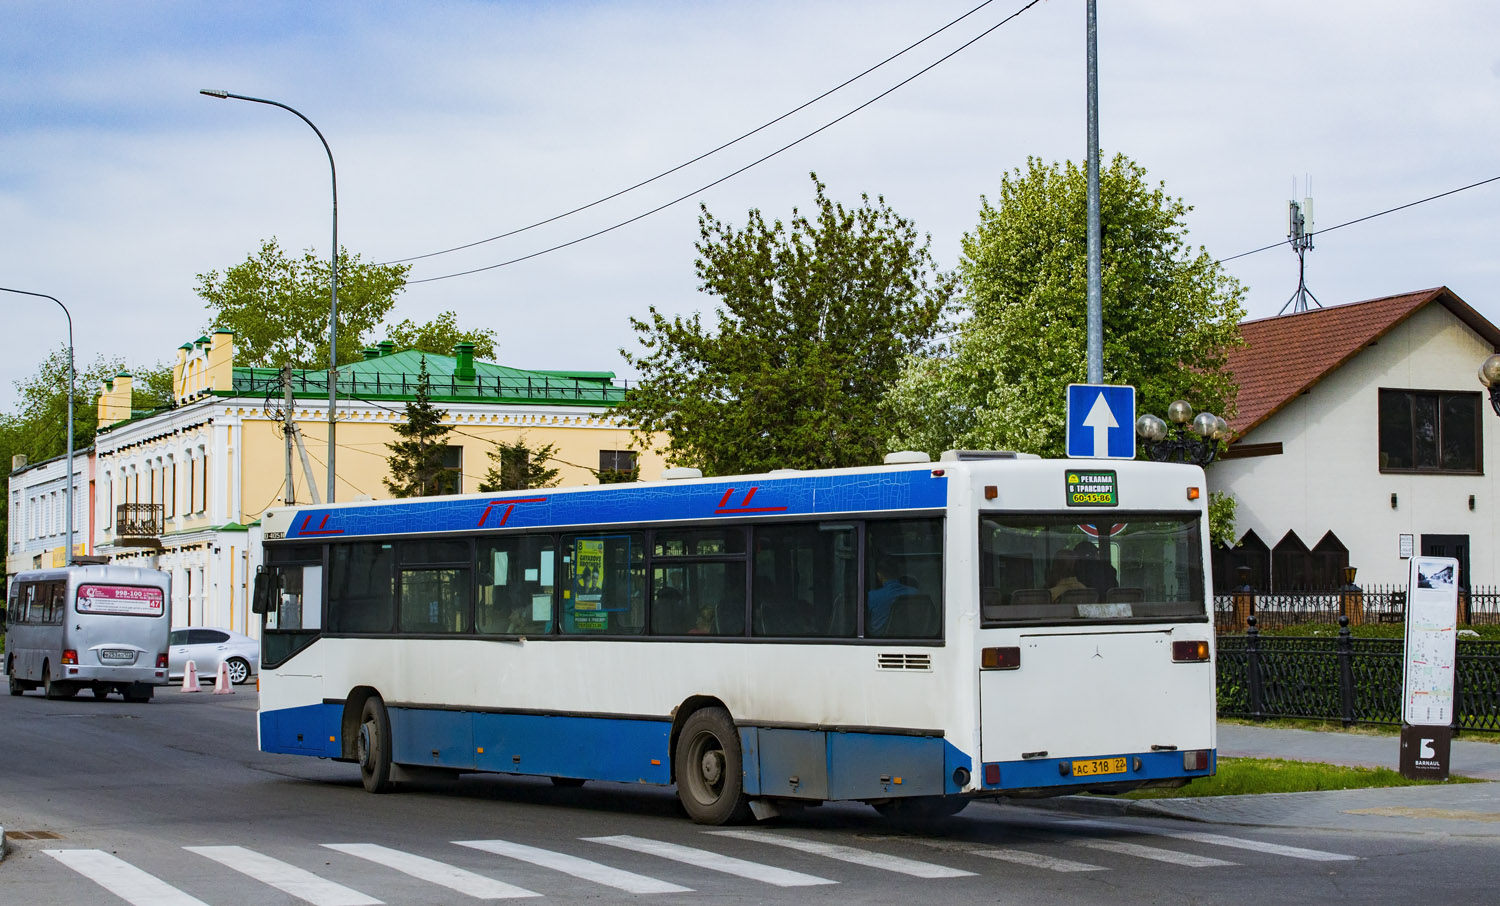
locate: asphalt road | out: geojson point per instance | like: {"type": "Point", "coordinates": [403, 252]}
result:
{"type": "Point", "coordinates": [170, 804]}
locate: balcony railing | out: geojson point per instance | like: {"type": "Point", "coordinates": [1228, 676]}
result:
{"type": "Point", "coordinates": [138, 524]}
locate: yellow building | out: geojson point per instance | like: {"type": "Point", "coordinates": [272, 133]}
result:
{"type": "Point", "coordinates": [183, 488]}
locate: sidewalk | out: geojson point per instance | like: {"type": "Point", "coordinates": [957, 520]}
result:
{"type": "Point", "coordinates": [1468, 809]}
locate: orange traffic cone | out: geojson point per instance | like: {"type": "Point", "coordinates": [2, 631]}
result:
{"type": "Point", "coordinates": [190, 678]}
{"type": "Point", "coordinates": [222, 685]}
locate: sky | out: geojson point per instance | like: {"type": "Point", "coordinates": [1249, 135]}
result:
{"type": "Point", "coordinates": [452, 122]}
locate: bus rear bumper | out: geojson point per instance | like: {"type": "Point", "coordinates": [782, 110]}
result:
{"type": "Point", "coordinates": [84, 673]}
{"type": "Point", "coordinates": [1060, 776]}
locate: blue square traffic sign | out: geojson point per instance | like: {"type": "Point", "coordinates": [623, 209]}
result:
{"type": "Point", "coordinates": [1101, 421]}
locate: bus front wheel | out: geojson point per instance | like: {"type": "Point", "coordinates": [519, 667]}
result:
{"type": "Point", "coordinates": [375, 747]}
{"type": "Point", "coordinates": [710, 773]}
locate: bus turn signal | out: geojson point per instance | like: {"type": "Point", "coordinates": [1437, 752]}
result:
{"type": "Point", "coordinates": [1000, 658]}
{"type": "Point", "coordinates": [1189, 652]}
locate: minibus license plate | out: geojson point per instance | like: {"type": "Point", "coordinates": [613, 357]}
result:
{"type": "Point", "coordinates": [118, 653]}
{"type": "Point", "coordinates": [1091, 767]}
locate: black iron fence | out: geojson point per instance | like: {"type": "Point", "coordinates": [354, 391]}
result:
{"type": "Point", "coordinates": [1345, 679]}
{"type": "Point", "coordinates": [1478, 606]}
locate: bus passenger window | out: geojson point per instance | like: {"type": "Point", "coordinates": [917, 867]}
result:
{"type": "Point", "coordinates": [362, 595]}
{"type": "Point", "coordinates": [806, 580]}
{"type": "Point", "coordinates": [604, 584]}
{"type": "Point", "coordinates": [904, 578]}
{"type": "Point", "coordinates": [434, 600]}
{"type": "Point", "coordinates": [516, 584]}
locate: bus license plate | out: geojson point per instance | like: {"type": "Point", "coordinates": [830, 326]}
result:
{"type": "Point", "coordinates": [117, 653]}
{"type": "Point", "coordinates": [1097, 766]}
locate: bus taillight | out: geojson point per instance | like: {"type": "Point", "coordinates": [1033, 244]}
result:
{"type": "Point", "coordinates": [70, 656]}
{"type": "Point", "coordinates": [1000, 658]}
{"type": "Point", "coordinates": [161, 659]}
{"type": "Point", "coordinates": [1189, 652]}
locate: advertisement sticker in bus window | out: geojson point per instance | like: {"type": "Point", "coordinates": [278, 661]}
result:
{"type": "Point", "coordinates": [1095, 487]}
{"type": "Point", "coordinates": [588, 572]}
{"type": "Point", "coordinates": [120, 599]}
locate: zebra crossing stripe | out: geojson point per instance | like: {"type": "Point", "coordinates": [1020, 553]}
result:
{"type": "Point", "coordinates": [1292, 852]}
{"type": "Point", "coordinates": [1187, 860]}
{"type": "Point", "coordinates": [628, 881]}
{"type": "Point", "coordinates": [1016, 856]}
{"type": "Point", "coordinates": [702, 858]}
{"type": "Point", "coordinates": [122, 879]}
{"type": "Point", "coordinates": [284, 877]}
{"type": "Point", "coordinates": [849, 854]}
{"type": "Point", "coordinates": [1276, 849]}
{"type": "Point", "coordinates": [475, 885]}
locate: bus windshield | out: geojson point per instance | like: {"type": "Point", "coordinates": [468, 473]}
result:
{"type": "Point", "coordinates": [1056, 569]}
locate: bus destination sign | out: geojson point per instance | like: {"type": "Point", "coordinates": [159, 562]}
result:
{"type": "Point", "coordinates": [1096, 487]}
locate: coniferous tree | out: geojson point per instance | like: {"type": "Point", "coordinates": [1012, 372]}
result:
{"type": "Point", "coordinates": [517, 467]}
{"type": "Point", "coordinates": [416, 461]}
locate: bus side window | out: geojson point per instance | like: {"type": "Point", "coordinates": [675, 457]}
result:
{"type": "Point", "coordinates": [516, 584]}
{"type": "Point", "coordinates": [604, 584]}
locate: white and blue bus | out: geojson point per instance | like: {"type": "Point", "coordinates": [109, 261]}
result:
{"type": "Point", "coordinates": [912, 635]}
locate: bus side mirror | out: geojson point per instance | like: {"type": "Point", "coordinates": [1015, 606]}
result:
{"type": "Point", "coordinates": [260, 601]}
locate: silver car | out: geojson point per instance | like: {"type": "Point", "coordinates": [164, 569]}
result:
{"type": "Point", "coordinates": [206, 648]}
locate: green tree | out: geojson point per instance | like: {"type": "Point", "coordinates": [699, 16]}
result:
{"type": "Point", "coordinates": [815, 317]}
{"type": "Point", "coordinates": [517, 467]}
{"type": "Point", "coordinates": [417, 460]}
{"type": "Point", "coordinates": [618, 476]}
{"type": "Point", "coordinates": [277, 306]}
{"type": "Point", "coordinates": [440, 335]}
{"type": "Point", "coordinates": [1170, 314]}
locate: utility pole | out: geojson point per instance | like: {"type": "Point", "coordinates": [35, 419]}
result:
{"type": "Point", "coordinates": [290, 497]}
{"type": "Point", "coordinates": [1096, 294]}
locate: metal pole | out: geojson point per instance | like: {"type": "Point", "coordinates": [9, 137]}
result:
{"type": "Point", "coordinates": [289, 497]}
{"type": "Point", "coordinates": [68, 465]}
{"type": "Point", "coordinates": [1096, 296]}
{"type": "Point", "coordinates": [333, 280]}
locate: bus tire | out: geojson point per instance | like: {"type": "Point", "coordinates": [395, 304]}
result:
{"type": "Point", "coordinates": [56, 688]}
{"type": "Point", "coordinates": [373, 748]}
{"type": "Point", "coordinates": [710, 770]}
{"type": "Point", "coordinates": [16, 686]}
{"type": "Point", "coordinates": [921, 810]}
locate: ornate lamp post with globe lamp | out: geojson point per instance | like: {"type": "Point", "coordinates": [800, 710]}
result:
{"type": "Point", "coordinates": [1489, 376]}
{"type": "Point", "coordinates": [1188, 438]}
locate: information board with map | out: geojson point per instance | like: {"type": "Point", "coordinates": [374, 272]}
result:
{"type": "Point", "coordinates": [1431, 642]}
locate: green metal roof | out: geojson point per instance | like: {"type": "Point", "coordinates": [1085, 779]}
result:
{"type": "Point", "coordinates": [394, 377]}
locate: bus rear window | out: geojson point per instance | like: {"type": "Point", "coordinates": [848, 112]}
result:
{"type": "Point", "coordinates": [123, 600]}
{"type": "Point", "coordinates": [1054, 569]}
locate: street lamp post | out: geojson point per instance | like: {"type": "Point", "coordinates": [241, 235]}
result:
{"type": "Point", "coordinates": [333, 291]}
{"type": "Point", "coordinates": [1489, 376]}
{"type": "Point", "coordinates": [1189, 438]}
{"type": "Point", "coordinates": [68, 522]}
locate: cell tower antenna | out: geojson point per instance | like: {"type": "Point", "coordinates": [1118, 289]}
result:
{"type": "Point", "coordinates": [1300, 237]}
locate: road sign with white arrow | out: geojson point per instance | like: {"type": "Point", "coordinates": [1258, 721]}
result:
{"type": "Point", "coordinates": [1101, 421]}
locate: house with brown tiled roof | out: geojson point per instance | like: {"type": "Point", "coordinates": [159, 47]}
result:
{"type": "Point", "coordinates": [1360, 435]}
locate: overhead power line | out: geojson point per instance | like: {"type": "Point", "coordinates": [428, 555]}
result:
{"type": "Point", "coordinates": [757, 162]}
{"type": "Point", "coordinates": [688, 163]}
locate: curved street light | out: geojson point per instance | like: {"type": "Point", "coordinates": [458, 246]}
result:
{"type": "Point", "coordinates": [333, 300]}
{"type": "Point", "coordinates": [68, 522]}
{"type": "Point", "coordinates": [1189, 438]}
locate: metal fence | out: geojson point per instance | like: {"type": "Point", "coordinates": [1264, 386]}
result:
{"type": "Point", "coordinates": [1345, 679]}
{"type": "Point", "coordinates": [544, 387]}
{"type": "Point", "coordinates": [1479, 606]}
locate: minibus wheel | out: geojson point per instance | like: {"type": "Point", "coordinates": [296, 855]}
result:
{"type": "Point", "coordinates": [15, 685]}
{"type": "Point", "coordinates": [55, 688]}
{"type": "Point", "coordinates": [373, 747]}
{"type": "Point", "coordinates": [710, 769]}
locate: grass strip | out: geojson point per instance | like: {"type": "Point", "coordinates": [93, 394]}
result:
{"type": "Point", "coordinates": [1241, 776]}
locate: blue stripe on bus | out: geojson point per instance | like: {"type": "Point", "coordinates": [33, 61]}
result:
{"type": "Point", "coordinates": [1039, 773]}
{"type": "Point", "coordinates": [824, 765]}
{"type": "Point", "coordinates": [812, 495]}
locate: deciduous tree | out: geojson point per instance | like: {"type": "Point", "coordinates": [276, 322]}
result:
{"type": "Point", "coordinates": [814, 317]}
{"type": "Point", "coordinates": [1170, 314]}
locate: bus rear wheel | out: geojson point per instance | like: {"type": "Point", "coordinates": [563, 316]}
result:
{"type": "Point", "coordinates": [56, 688]}
{"type": "Point", "coordinates": [710, 772]}
{"type": "Point", "coordinates": [374, 747]}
